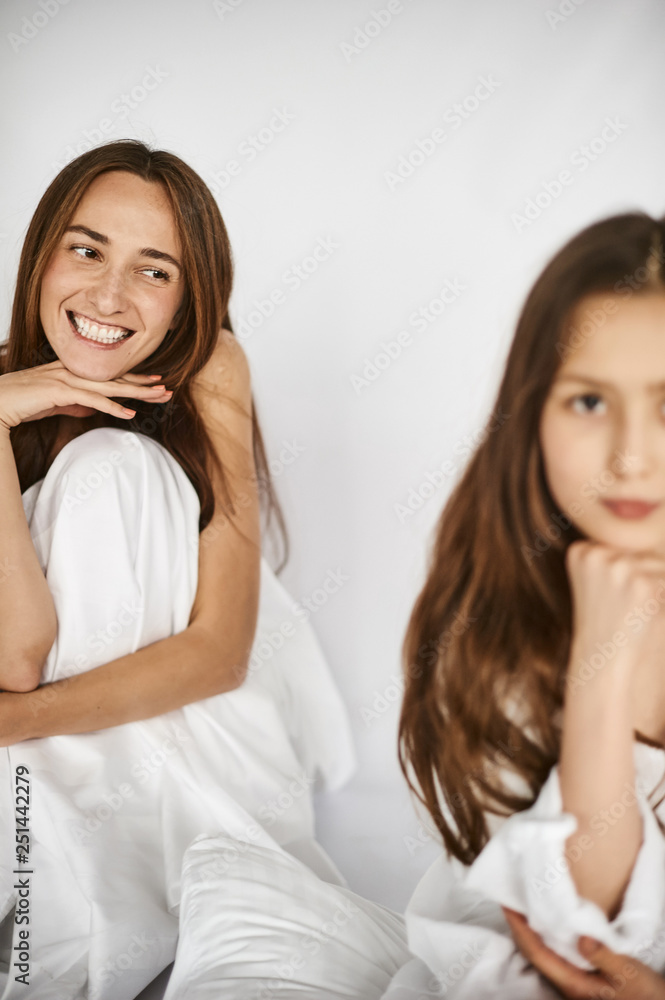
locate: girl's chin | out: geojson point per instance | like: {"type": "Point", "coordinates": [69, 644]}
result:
{"type": "Point", "coordinates": [630, 539]}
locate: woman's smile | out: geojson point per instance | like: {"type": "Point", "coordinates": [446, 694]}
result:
{"type": "Point", "coordinates": [96, 334]}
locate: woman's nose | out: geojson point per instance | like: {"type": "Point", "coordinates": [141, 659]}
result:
{"type": "Point", "coordinates": [108, 294]}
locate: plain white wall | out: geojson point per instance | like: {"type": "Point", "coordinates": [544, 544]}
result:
{"type": "Point", "coordinates": [341, 93]}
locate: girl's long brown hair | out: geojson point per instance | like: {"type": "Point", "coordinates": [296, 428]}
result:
{"type": "Point", "coordinates": [493, 621]}
{"type": "Point", "coordinates": [208, 267]}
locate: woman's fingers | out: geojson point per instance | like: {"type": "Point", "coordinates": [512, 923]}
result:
{"type": "Point", "coordinates": [134, 389]}
{"type": "Point", "coordinates": [571, 981]}
{"type": "Point", "coordinates": [135, 377]}
{"type": "Point", "coordinates": [100, 402]}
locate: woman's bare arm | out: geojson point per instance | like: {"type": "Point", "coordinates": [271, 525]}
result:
{"type": "Point", "coordinates": [211, 655]}
{"type": "Point", "coordinates": [28, 622]}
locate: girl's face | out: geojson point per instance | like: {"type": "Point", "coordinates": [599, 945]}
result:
{"type": "Point", "coordinates": [116, 269]}
{"type": "Point", "coordinates": [602, 430]}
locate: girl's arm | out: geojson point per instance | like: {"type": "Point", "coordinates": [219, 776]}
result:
{"type": "Point", "coordinates": [28, 622]}
{"type": "Point", "coordinates": [597, 778]}
{"type": "Point", "coordinates": [210, 656]}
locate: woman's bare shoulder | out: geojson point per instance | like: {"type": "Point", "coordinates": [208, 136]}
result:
{"type": "Point", "coordinates": [226, 373]}
{"type": "Point", "coordinates": [222, 392]}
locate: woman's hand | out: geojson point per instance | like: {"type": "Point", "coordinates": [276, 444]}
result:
{"type": "Point", "coordinates": [618, 976]}
{"type": "Point", "coordinates": [51, 389]}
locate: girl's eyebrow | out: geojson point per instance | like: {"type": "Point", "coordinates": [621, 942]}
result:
{"type": "Point", "coordinates": [653, 387]}
{"type": "Point", "coordinates": [145, 252]}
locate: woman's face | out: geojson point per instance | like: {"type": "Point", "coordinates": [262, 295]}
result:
{"type": "Point", "coordinates": [116, 269]}
{"type": "Point", "coordinates": [602, 430]}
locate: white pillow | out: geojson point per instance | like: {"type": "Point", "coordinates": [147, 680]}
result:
{"type": "Point", "coordinates": [255, 923]}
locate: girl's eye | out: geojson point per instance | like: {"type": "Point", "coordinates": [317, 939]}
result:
{"type": "Point", "coordinates": [584, 397]}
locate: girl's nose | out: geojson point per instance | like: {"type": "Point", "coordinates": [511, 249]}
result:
{"type": "Point", "coordinates": [636, 441]}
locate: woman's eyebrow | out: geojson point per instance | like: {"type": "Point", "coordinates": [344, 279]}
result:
{"type": "Point", "coordinates": [145, 252]}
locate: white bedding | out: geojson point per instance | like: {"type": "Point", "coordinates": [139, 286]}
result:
{"type": "Point", "coordinates": [256, 923]}
{"type": "Point", "coordinates": [115, 525]}
{"type": "Point", "coordinates": [457, 930]}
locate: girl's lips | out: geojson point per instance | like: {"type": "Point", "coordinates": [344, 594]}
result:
{"type": "Point", "coordinates": [630, 508]}
{"type": "Point", "coordinates": [95, 343]}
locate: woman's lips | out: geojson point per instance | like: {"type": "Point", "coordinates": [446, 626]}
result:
{"type": "Point", "coordinates": [630, 508]}
{"type": "Point", "coordinates": [95, 343]}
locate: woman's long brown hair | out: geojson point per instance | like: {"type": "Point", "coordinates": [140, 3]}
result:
{"type": "Point", "coordinates": [492, 624]}
{"type": "Point", "coordinates": [208, 267]}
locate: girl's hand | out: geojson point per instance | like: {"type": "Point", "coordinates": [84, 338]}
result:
{"type": "Point", "coordinates": [614, 591]}
{"type": "Point", "coordinates": [618, 976]}
{"type": "Point", "coordinates": [51, 389]}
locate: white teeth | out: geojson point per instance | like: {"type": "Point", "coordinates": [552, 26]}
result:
{"type": "Point", "coordinates": [102, 334]}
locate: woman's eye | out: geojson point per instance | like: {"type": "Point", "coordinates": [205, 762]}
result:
{"type": "Point", "coordinates": [583, 399]}
{"type": "Point", "coordinates": [155, 272]}
{"type": "Point", "coordinates": [162, 275]}
{"type": "Point", "coordinates": [85, 250]}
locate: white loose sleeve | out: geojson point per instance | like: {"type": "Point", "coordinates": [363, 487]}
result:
{"type": "Point", "coordinates": [525, 867]}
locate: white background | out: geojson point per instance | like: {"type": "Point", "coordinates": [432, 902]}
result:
{"type": "Point", "coordinates": [359, 102]}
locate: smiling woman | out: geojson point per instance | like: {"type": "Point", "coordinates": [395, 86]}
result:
{"type": "Point", "coordinates": [139, 588]}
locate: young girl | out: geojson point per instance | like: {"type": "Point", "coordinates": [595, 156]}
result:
{"type": "Point", "coordinates": [533, 721]}
{"type": "Point", "coordinates": [131, 474]}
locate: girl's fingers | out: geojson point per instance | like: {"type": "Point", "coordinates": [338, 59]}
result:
{"type": "Point", "coordinates": [600, 955]}
{"type": "Point", "coordinates": [570, 980]}
{"type": "Point", "coordinates": [632, 978]}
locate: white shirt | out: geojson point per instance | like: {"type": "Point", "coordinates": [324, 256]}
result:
{"type": "Point", "coordinates": [459, 934]}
